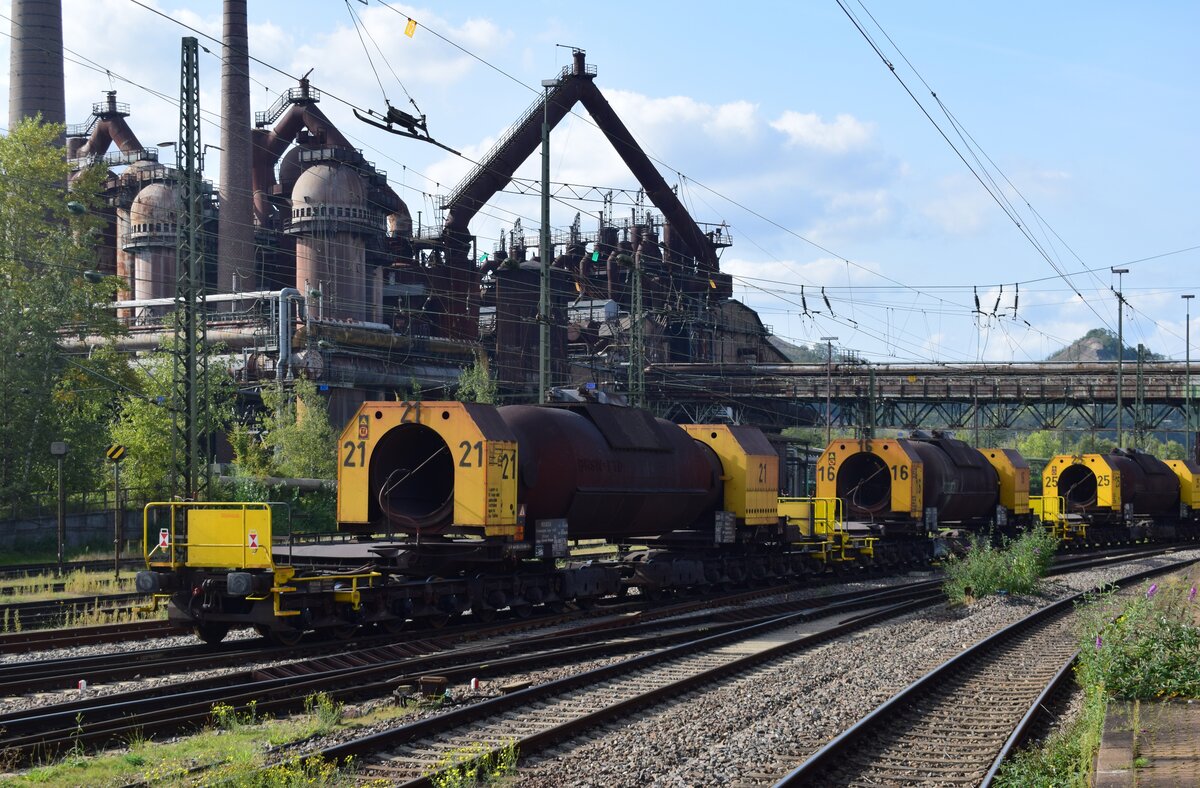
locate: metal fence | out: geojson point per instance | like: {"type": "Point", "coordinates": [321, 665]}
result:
{"type": "Point", "coordinates": [40, 505]}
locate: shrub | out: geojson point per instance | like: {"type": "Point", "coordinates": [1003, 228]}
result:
{"type": "Point", "coordinates": [1015, 567]}
{"type": "Point", "coordinates": [1143, 648]}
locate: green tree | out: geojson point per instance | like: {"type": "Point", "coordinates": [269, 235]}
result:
{"type": "Point", "coordinates": [475, 383]}
{"type": "Point", "coordinates": [302, 441]}
{"type": "Point", "coordinates": [1164, 450]}
{"type": "Point", "coordinates": [45, 248]}
{"type": "Point", "coordinates": [86, 401]}
{"type": "Point", "coordinates": [1043, 444]}
{"type": "Point", "coordinates": [296, 441]}
{"type": "Point", "coordinates": [145, 424]}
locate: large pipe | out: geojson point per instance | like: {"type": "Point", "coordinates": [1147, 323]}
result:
{"type": "Point", "coordinates": [36, 62]}
{"type": "Point", "coordinates": [286, 294]}
{"type": "Point", "coordinates": [235, 230]}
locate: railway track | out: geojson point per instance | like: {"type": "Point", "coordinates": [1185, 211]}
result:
{"type": "Point", "coordinates": [40, 639]}
{"type": "Point", "coordinates": [538, 716]}
{"type": "Point", "coordinates": [56, 612]}
{"type": "Point", "coordinates": [954, 725]}
{"type": "Point", "coordinates": [93, 722]}
{"type": "Point", "coordinates": [22, 571]}
{"type": "Point", "coordinates": [379, 670]}
{"type": "Point", "coordinates": [44, 675]}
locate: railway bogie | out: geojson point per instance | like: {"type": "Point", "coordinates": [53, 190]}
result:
{"type": "Point", "coordinates": [459, 508]}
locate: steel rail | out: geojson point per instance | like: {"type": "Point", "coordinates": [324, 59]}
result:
{"type": "Point", "coordinates": [1037, 709]}
{"type": "Point", "coordinates": [819, 767]}
{"type": "Point", "coordinates": [280, 689]}
{"type": "Point", "coordinates": [499, 706]}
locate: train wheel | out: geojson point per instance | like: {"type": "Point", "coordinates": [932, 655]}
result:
{"type": "Point", "coordinates": [343, 631]}
{"type": "Point", "coordinates": [522, 611]}
{"type": "Point", "coordinates": [557, 606]}
{"type": "Point", "coordinates": [392, 626]}
{"type": "Point", "coordinates": [585, 602]}
{"type": "Point", "coordinates": [438, 620]}
{"type": "Point", "coordinates": [286, 637]}
{"type": "Point", "coordinates": [211, 633]}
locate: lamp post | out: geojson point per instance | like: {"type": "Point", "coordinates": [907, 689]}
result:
{"type": "Point", "coordinates": [544, 250]}
{"type": "Point", "coordinates": [828, 384]}
{"type": "Point", "coordinates": [58, 450]}
{"type": "Point", "coordinates": [1120, 272]}
{"type": "Point", "coordinates": [1187, 374]}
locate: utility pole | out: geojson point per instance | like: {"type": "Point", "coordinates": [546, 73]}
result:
{"type": "Point", "coordinates": [1120, 272]}
{"type": "Point", "coordinates": [1139, 408]}
{"type": "Point", "coordinates": [544, 250]}
{"type": "Point", "coordinates": [58, 450]}
{"type": "Point", "coordinates": [637, 341]}
{"type": "Point", "coordinates": [189, 376]}
{"type": "Point", "coordinates": [828, 386]}
{"type": "Point", "coordinates": [1187, 375]}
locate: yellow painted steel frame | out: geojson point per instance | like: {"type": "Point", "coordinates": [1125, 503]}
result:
{"type": "Point", "coordinates": [1014, 478]}
{"type": "Point", "coordinates": [1189, 482]}
{"type": "Point", "coordinates": [211, 535]}
{"type": "Point", "coordinates": [750, 472]}
{"type": "Point", "coordinates": [482, 448]}
{"type": "Point", "coordinates": [1051, 512]}
{"type": "Point", "coordinates": [820, 519]}
{"type": "Point", "coordinates": [1108, 479]}
{"type": "Point", "coordinates": [208, 534]}
{"type": "Point", "coordinates": [905, 470]}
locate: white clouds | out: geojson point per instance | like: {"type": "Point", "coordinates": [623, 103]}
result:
{"type": "Point", "coordinates": [958, 214]}
{"type": "Point", "coordinates": [807, 130]}
{"type": "Point", "coordinates": [855, 212]}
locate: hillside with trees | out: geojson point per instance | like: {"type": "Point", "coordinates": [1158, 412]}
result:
{"type": "Point", "coordinates": [1099, 344]}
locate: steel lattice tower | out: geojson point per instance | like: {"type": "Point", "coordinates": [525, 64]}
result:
{"type": "Point", "coordinates": [189, 378]}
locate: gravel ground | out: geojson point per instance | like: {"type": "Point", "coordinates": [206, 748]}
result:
{"type": "Point", "coordinates": [459, 694]}
{"type": "Point", "coordinates": [747, 731]}
{"type": "Point", "coordinates": [753, 730]}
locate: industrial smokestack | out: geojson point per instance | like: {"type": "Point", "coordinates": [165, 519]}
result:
{"type": "Point", "coordinates": [36, 62]}
{"type": "Point", "coordinates": [235, 231]}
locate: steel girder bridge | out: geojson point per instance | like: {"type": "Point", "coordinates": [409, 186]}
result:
{"type": "Point", "coordinates": [1039, 396]}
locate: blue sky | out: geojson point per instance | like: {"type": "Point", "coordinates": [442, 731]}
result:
{"type": "Point", "coordinates": [781, 120]}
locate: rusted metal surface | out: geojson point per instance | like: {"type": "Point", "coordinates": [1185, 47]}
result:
{"type": "Point", "coordinates": [1147, 484]}
{"type": "Point", "coordinates": [959, 481]}
{"type": "Point", "coordinates": [612, 472]}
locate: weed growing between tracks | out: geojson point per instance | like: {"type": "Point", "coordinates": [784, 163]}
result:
{"type": "Point", "coordinates": [78, 583]}
{"type": "Point", "coordinates": [1145, 647]}
{"type": "Point", "coordinates": [241, 750]}
{"type": "Point", "coordinates": [475, 765]}
{"type": "Point", "coordinates": [1015, 567]}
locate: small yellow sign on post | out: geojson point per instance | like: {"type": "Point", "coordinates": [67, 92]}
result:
{"type": "Point", "coordinates": [115, 453]}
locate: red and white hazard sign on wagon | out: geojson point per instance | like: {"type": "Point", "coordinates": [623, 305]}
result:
{"type": "Point", "coordinates": [164, 538]}
{"type": "Point", "coordinates": [252, 539]}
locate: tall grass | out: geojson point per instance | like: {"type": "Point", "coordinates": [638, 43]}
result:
{"type": "Point", "coordinates": [1146, 647]}
{"type": "Point", "coordinates": [1015, 567]}
{"type": "Point", "coordinates": [1142, 647]}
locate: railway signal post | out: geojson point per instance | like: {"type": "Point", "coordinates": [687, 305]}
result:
{"type": "Point", "coordinates": [115, 454]}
